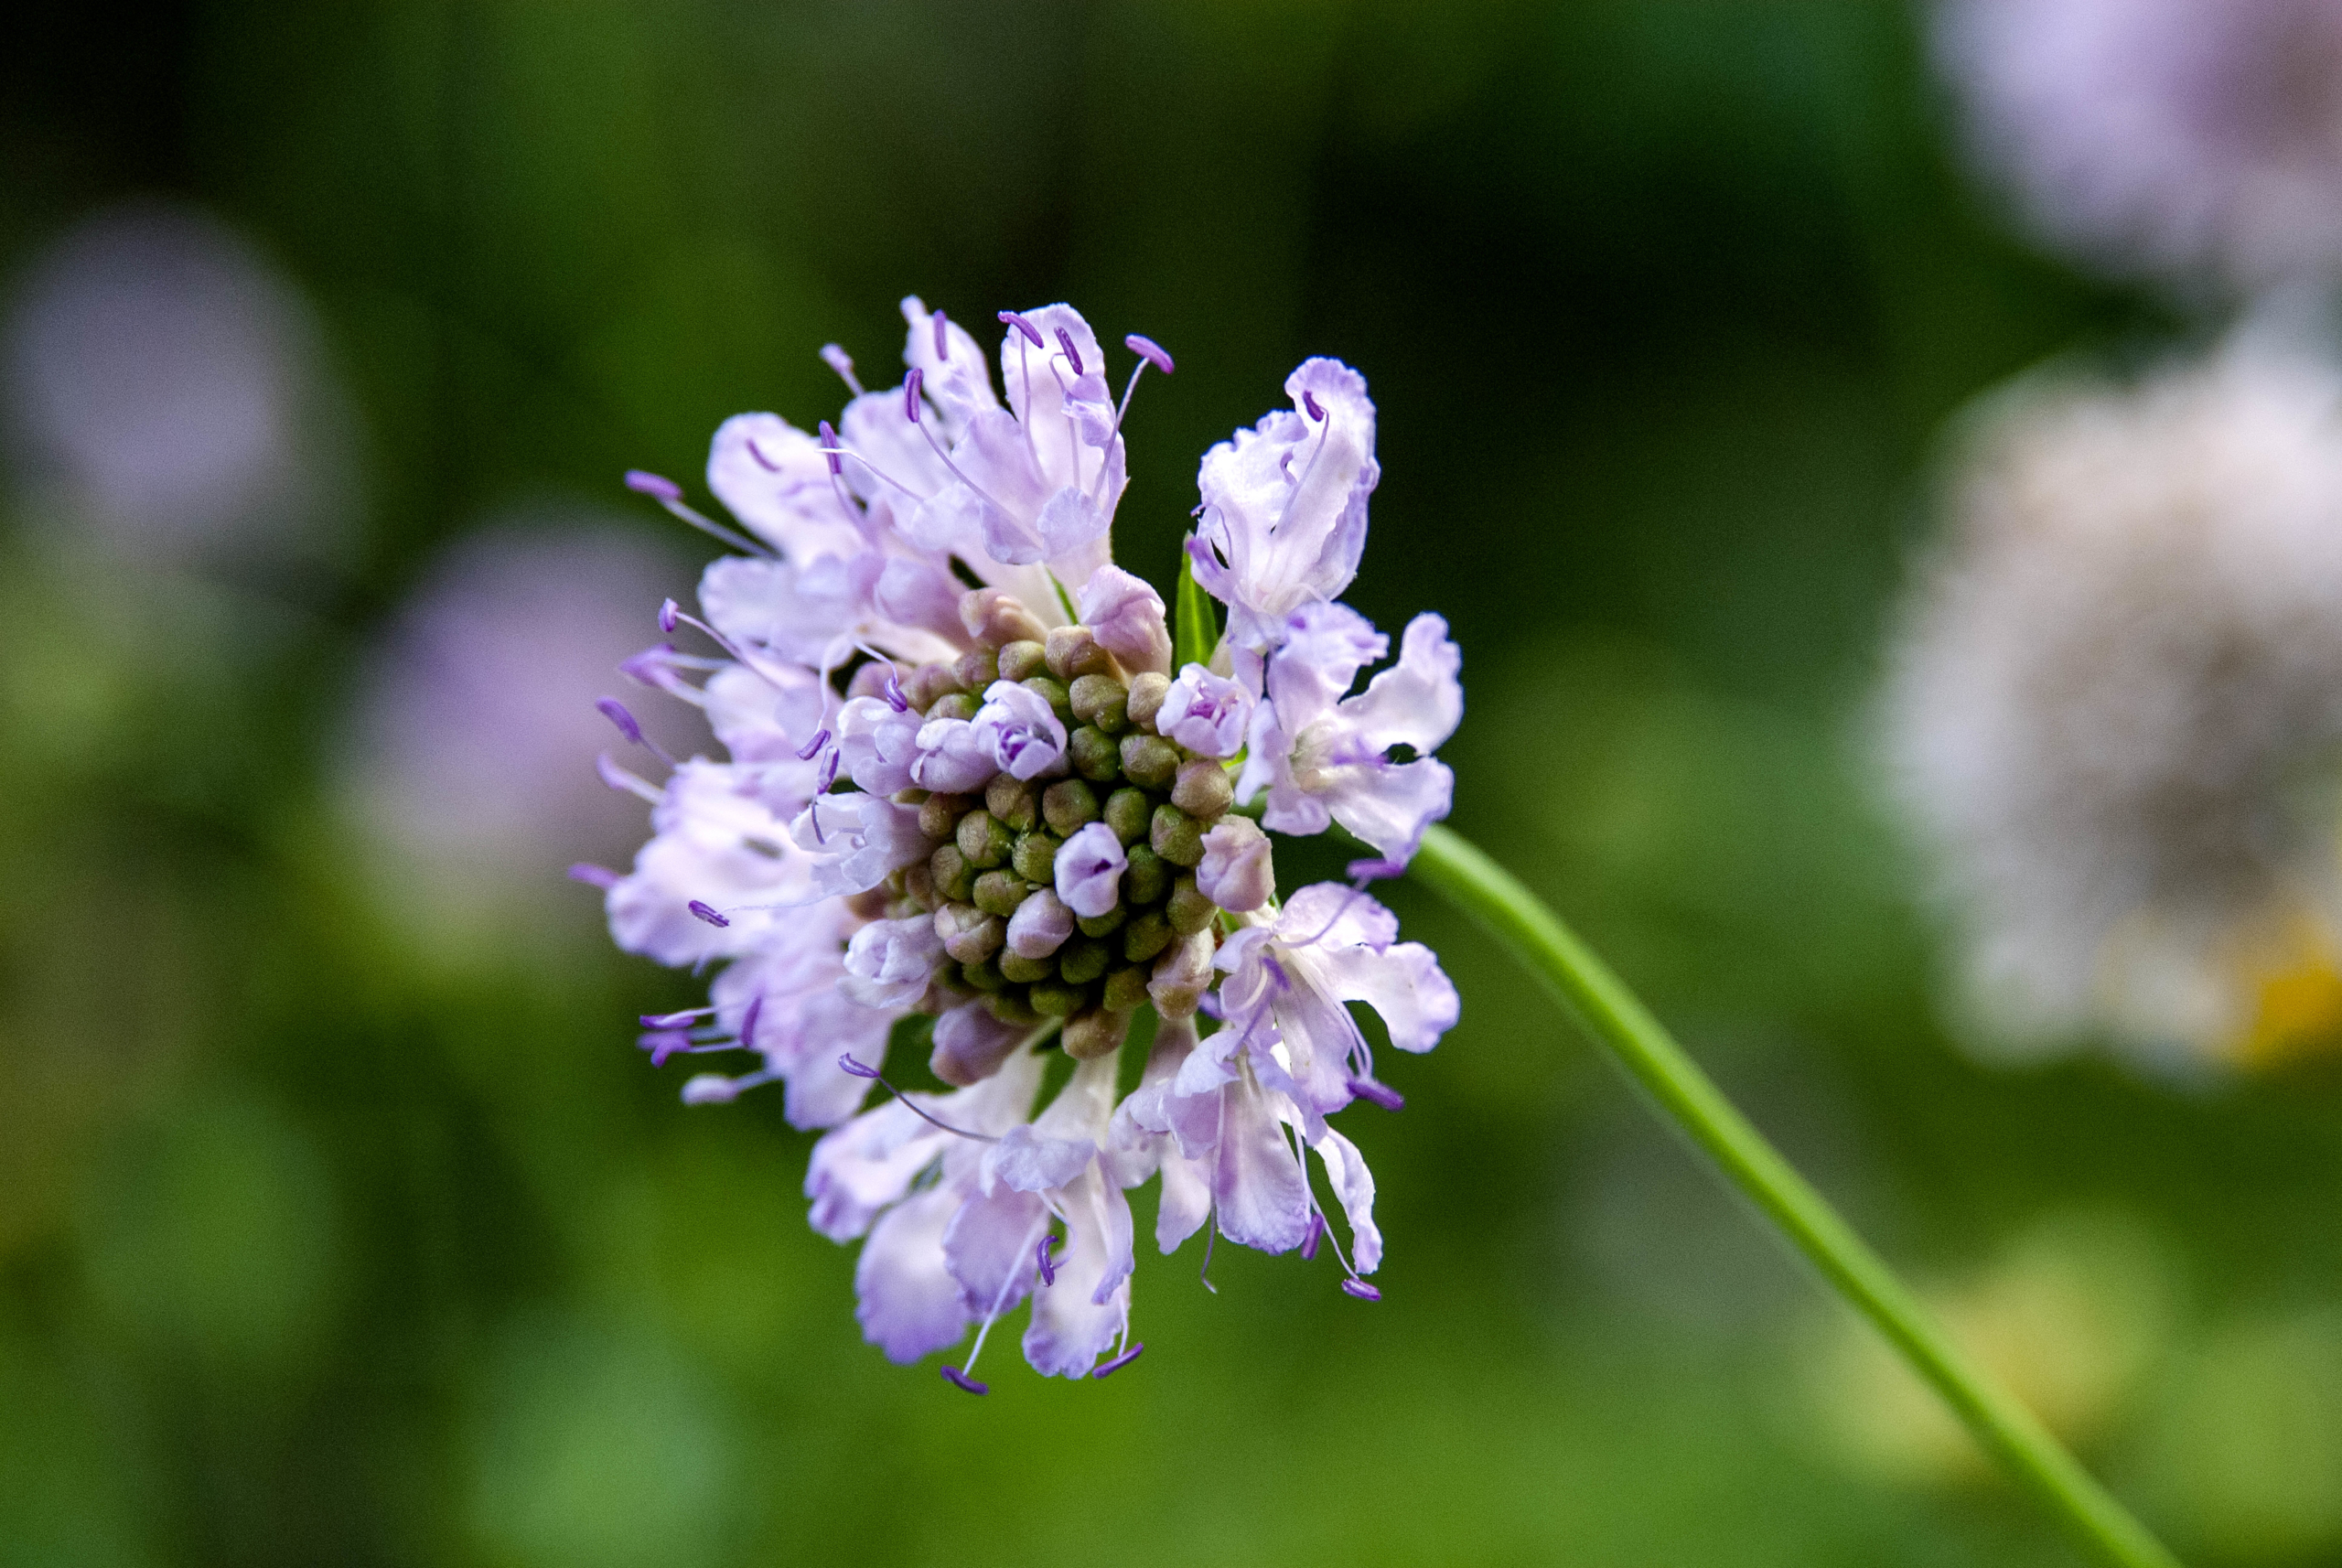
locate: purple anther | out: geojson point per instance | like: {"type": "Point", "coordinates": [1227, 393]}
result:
{"type": "Point", "coordinates": [911, 383]}
{"type": "Point", "coordinates": [594, 875]}
{"type": "Point", "coordinates": [674, 1020]}
{"type": "Point", "coordinates": [613, 776]}
{"type": "Point", "coordinates": [829, 773]}
{"type": "Point", "coordinates": [1361, 872]}
{"type": "Point", "coordinates": [1049, 1265]}
{"type": "Point", "coordinates": [1119, 1362]}
{"type": "Point", "coordinates": [1150, 350]}
{"type": "Point", "coordinates": [642, 482]}
{"type": "Point", "coordinates": [1072, 354]}
{"type": "Point", "coordinates": [1316, 1234]}
{"type": "Point", "coordinates": [942, 344]}
{"type": "Point", "coordinates": [1309, 402]}
{"type": "Point", "coordinates": [664, 1042]}
{"type": "Point", "coordinates": [1382, 1094]}
{"type": "Point", "coordinates": [748, 1023]}
{"type": "Point", "coordinates": [648, 665]}
{"type": "Point", "coordinates": [1276, 972]}
{"type": "Point", "coordinates": [1010, 319]}
{"type": "Point", "coordinates": [1361, 1290]}
{"type": "Point", "coordinates": [615, 711]}
{"type": "Point", "coordinates": [829, 449]}
{"type": "Point", "coordinates": [668, 613]}
{"type": "Point", "coordinates": [897, 698]}
{"type": "Point", "coordinates": [709, 912]}
{"type": "Point", "coordinates": [820, 738]}
{"type": "Point", "coordinates": [848, 1064]}
{"type": "Point", "coordinates": [954, 1375]}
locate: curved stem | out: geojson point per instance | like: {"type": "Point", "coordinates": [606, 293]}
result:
{"type": "Point", "coordinates": [1600, 1000]}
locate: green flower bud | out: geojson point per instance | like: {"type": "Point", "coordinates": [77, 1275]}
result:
{"type": "Point", "coordinates": [1148, 877]}
{"type": "Point", "coordinates": [1052, 691]}
{"type": "Point", "coordinates": [954, 879]}
{"type": "Point", "coordinates": [999, 893]}
{"type": "Point", "coordinates": [1011, 1007]}
{"type": "Point", "coordinates": [1073, 651]}
{"type": "Point", "coordinates": [1013, 801]}
{"type": "Point", "coordinates": [1022, 660]}
{"type": "Point", "coordinates": [1202, 789]}
{"type": "Point", "coordinates": [1147, 934]}
{"type": "Point", "coordinates": [1067, 804]}
{"type": "Point", "coordinates": [1188, 910]}
{"type": "Point", "coordinates": [986, 842]}
{"type": "Point", "coordinates": [918, 885]}
{"type": "Point", "coordinates": [1102, 924]}
{"type": "Point", "coordinates": [938, 814]}
{"type": "Point", "coordinates": [955, 705]}
{"type": "Point", "coordinates": [1023, 971]}
{"type": "Point", "coordinates": [1036, 857]}
{"type": "Point", "coordinates": [977, 668]}
{"type": "Point", "coordinates": [1151, 760]}
{"type": "Point", "coordinates": [1177, 836]}
{"type": "Point", "coordinates": [1125, 988]}
{"type": "Point", "coordinates": [1128, 812]}
{"type": "Point", "coordinates": [1102, 701]}
{"type": "Point", "coordinates": [1083, 960]}
{"type": "Point", "coordinates": [1095, 1031]}
{"type": "Point", "coordinates": [928, 682]}
{"type": "Point", "coordinates": [1055, 999]}
{"type": "Point", "coordinates": [1147, 692]}
{"type": "Point", "coordinates": [983, 975]}
{"type": "Point", "coordinates": [1093, 755]}
{"type": "Point", "coordinates": [911, 795]}
{"type": "Point", "coordinates": [968, 934]}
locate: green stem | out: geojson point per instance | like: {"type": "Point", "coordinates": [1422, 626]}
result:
{"type": "Point", "coordinates": [1610, 1012]}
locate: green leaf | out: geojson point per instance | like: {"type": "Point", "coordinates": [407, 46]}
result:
{"type": "Point", "coordinates": [1195, 632]}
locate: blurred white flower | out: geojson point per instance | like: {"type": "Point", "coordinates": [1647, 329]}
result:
{"type": "Point", "coordinates": [166, 388]}
{"type": "Point", "coordinates": [2183, 138]}
{"type": "Point", "coordinates": [467, 762]}
{"type": "Point", "coordinates": [2116, 710]}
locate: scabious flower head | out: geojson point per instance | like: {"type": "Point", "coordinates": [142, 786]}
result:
{"type": "Point", "coordinates": [2166, 137]}
{"type": "Point", "coordinates": [2116, 707]}
{"type": "Point", "coordinates": [945, 796]}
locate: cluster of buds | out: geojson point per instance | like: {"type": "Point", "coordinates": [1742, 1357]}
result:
{"type": "Point", "coordinates": [1008, 807]}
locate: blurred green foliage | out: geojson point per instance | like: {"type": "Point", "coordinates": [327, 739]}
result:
{"type": "Point", "coordinates": [318, 1243]}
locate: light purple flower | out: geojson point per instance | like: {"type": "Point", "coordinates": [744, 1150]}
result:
{"type": "Point", "coordinates": [876, 744]}
{"type": "Point", "coordinates": [1206, 714]}
{"type": "Point", "coordinates": [1284, 504]}
{"type": "Point", "coordinates": [714, 844]}
{"type": "Point", "coordinates": [1040, 926]}
{"type": "Point", "coordinates": [804, 1017]}
{"type": "Point", "coordinates": [1081, 1315]}
{"type": "Point", "coordinates": [1019, 731]}
{"type": "Point", "coordinates": [889, 963]}
{"type": "Point", "coordinates": [953, 758]}
{"type": "Point", "coordinates": [1236, 872]}
{"type": "Point", "coordinates": [1284, 995]}
{"type": "Point", "coordinates": [856, 840]}
{"type": "Point", "coordinates": [1322, 759]}
{"type": "Point", "coordinates": [1126, 615]}
{"type": "Point", "coordinates": [1089, 868]}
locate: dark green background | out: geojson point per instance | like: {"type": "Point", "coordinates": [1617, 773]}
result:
{"type": "Point", "coordinates": [319, 1246]}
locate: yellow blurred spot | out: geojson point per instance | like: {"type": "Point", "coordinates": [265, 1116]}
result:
{"type": "Point", "coordinates": [2297, 996]}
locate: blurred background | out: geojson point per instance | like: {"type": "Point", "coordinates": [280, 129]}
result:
{"type": "Point", "coordinates": [340, 1219]}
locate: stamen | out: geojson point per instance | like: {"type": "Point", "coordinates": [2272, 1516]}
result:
{"type": "Point", "coordinates": [955, 1376]}
{"type": "Point", "coordinates": [1316, 1234]}
{"type": "Point", "coordinates": [709, 913]}
{"type": "Point", "coordinates": [859, 1070]}
{"type": "Point", "coordinates": [1361, 872]}
{"type": "Point", "coordinates": [1382, 1094]}
{"type": "Point", "coordinates": [829, 449]}
{"type": "Point", "coordinates": [838, 359]}
{"type": "Point", "coordinates": [748, 1023]}
{"type": "Point", "coordinates": [1309, 402]}
{"type": "Point", "coordinates": [674, 1020]}
{"type": "Point", "coordinates": [1150, 350]}
{"type": "Point", "coordinates": [643, 482]}
{"type": "Point", "coordinates": [627, 783]}
{"type": "Point", "coordinates": [1072, 354]}
{"type": "Point", "coordinates": [1119, 1362]}
{"type": "Point", "coordinates": [664, 1042]}
{"type": "Point", "coordinates": [942, 344]}
{"type": "Point", "coordinates": [805, 753]}
{"type": "Point", "coordinates": [714, 1088]}
{"type": "Point", "coordinates": [911, 384]}
{"type": "Point", "coordinates": [668, 494]}
{"type": "Point", "coordinates": [1212, 1234]}
{"type": "Point", "coordinates": [1033, 333]}
{"type": "Point", "coordinates": [1361, 1290]}
{"type": "Point", "coordinates": [1049, 1265]}
{"type": "Point", "coordinates": [616, 711]}
{"type": "Point", "coordinates": [897, 698]}
{"type": "Point", "coordinates": [670, 612]}
{"type": "Point", "coordinates": [594, 875]}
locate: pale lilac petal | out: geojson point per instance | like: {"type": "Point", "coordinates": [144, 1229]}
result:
{"type": "Point", "coordinates": [952, 758]}
{"type": "Point", "coordinates": [1126, 615]}
{"type": "Point", "coordinates": [774, 478]}
{"type": "Point", "coordinates": [1328, 914]}
{"type": "Point", "coordinates": [1324, 647]}
{"type": "Point", "coordinates": [1183, 1201]}
{"type": "Point", "coordinates": [1019, 731]}
{"type": "Point", "coordinates": [856, 840]}
{"type": "Point", "coordinates": [1236, 872]}
{"type": "Point", "coordinates": [1404, 984]}
{"type": "Point", "coordinates": [1418, 702]}
{"type": "Point", "coordinates": [959, 381]}
{"type": "Point", "coordinates": [1257, 1185]}
{"type": "Point", "coordinates": [1353, 1186]}
{"type": "Point", "coordinates": [1089, 868]}
{"type": "Point", "coordinates": [1081, 1317]}
{"type": "Point", "coordinates": [1206, 714]}
{"type": "Point", "coordinates": [908, 1302]}
{"type": "Point", "coordinates": [989, 1249]}
{"type": "Point", "coordinates": [862, 1166]}
{"type": "Point", "coordinates": [889, 963]}
{"type": "Point", "coordinates": [1389, 805]}
{"type": "Point", "coordinates": [1041, 925]}
{"type": "Point", "coordinates": [1025, 1161]}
